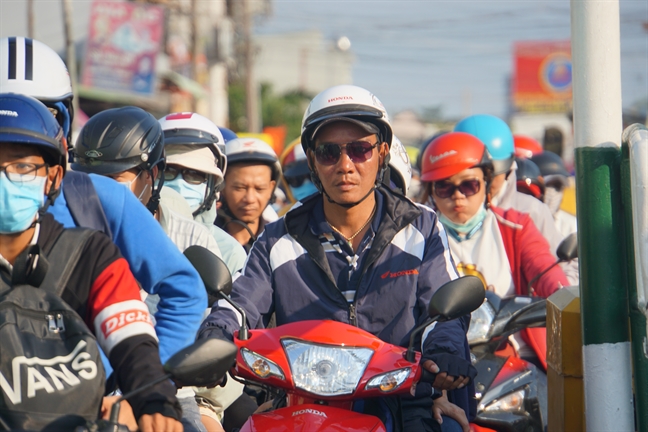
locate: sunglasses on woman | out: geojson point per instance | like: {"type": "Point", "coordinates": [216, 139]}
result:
{"type": "Point", "coordinates": [358, 152]}
{"type": "Point", "coordinates": [445, 189]}
{"type": "Point", "coordinates": [190, 176]}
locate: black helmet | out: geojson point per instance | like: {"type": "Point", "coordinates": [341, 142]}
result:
{"type": "Point", "coordinates": [529, 179]}
{"type": "Point", "coordinates": [550, 164]}
{"type": "Point", "coordinates": [119, 139]}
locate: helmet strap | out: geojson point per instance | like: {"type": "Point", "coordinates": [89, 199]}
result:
{"type": "Point", "coordinates": [154, 202]}
{"type": "Point", "coordinates": [210, 196]}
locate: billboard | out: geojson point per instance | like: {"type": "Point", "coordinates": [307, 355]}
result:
{"type": "Point", "coordinates": [123, 42]}
{"type": "Point", "coordinates": [542, 77]}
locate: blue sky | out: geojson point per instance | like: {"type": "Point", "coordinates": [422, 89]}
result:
{"type": "Point", "coordinates": [455, 54]}
{"type": "Point", "coordinates": [412, 54]}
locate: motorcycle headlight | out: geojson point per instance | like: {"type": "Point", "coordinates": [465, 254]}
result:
{"type": "Point", "coordinates": [389, 381]}
{"type": "Point", "coordinates": [480, 322]}
{"type": "Point", "coordinates": [260, 365]}
{"type": "Point", "coordinates": [510, 403]}
{"type": "Point", "coordinates": [326, 370]}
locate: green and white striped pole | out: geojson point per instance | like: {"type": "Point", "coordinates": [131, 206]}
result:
{"type": "Point", "coordinates": [597, 134]}
{"type": "Point", "coordinates": [634, 177]}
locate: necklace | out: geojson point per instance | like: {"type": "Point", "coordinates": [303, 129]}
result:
{"type": "Point", "coordinates": [355, 234]}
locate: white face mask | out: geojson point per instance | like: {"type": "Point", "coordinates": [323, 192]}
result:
{"type": "Point", "coordinates": [553, 199]}
{"type": "Point", "coordinates": [129, 186]}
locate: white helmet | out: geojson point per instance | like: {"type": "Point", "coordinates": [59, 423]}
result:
{"type": "Point", "coordinates": [248, 150]}
{"type": "Point", "coordinates": [191, 129]}
{"type": "Point", "coordinates": [195, 142]}
{"type": "Point", "coordinates": [349, 103]}
{"type": "Point", "coordinates": [399, 165]}
{"type": "Point", "coordinates": [30, 67]}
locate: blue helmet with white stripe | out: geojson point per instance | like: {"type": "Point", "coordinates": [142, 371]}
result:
{"type": "Point", "coordinates": [26, 121]}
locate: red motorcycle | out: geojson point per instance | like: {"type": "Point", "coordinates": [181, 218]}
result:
{"type": "Point", "coordinates": [322, 367]}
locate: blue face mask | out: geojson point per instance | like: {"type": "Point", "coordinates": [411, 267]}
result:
{"type": "Point", "coordinates": [467, 229]}
{"type": "Point", "coordinates": [19, 203]}
{"type": "Point", "coordinates": [193, 194]}
{"type": "Point", "coordinates": [306, 189]}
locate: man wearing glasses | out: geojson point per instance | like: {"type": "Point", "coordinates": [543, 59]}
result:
{"type": "Point", "coordinates": [359, 254]}
{"type": "Point", "coordinates": [100, 286]}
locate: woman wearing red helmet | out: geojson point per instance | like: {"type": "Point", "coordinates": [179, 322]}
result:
{"type": "Point", "coordinates": [504, 245]}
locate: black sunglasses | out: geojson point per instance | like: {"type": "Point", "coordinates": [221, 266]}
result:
{"type": "Point", "coordinates": [445, 189]}
{"type": "Point", "coordinates": [190, 176]}
{"type": "Point", "coordinates": [358, 152]}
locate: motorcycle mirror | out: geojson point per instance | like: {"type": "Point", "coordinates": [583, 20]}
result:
{"type": "Point", "coordinates": [453, 300]}
{"type": "Point", "coordinates": [202, 363]}
{"type": "Point", "coordinates": [212, 270]}
{"type": "Point", "coordinates": [457, 298]}
{"type": "Point", "coordinates": [568, 248]}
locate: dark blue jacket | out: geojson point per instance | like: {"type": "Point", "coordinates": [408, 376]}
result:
{"type": "Point", "coordinates": [288, 273]}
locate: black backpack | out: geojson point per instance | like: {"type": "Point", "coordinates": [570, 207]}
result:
{"type": "Point", "coordinates": [84, 203]}
{"type": "Point", "coordinates": [51, 374]}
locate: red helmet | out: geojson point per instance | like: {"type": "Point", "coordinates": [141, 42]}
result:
{"type": "Point", "coordinates": [452, 153]}
{"type": "Point", "coordinates": [525, 146]}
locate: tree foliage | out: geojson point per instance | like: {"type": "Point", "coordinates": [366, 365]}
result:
{"type": "Point", "coordinates": [276, 110]}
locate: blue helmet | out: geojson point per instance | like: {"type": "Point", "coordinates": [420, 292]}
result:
{"type": "Point", "coordinates": [495, 134]}
{"type": "Point", "coordinates": [227, 134]}
{"type": "Point", "coordinates": [25, 120]}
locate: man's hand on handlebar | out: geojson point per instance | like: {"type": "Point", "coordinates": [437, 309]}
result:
{"type": "Point", "coordinates": [158, 423]}
{"type": "Point", "coordinates": [443, 381]}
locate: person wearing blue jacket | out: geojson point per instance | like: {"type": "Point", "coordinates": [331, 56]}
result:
{"type": "Point", "coordinates": [359, 254]}
{"type": "Point", "coordinates": [155, 261]}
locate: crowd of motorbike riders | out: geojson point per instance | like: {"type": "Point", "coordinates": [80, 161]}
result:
{"type": "Point", "coordinates": [365, 235]}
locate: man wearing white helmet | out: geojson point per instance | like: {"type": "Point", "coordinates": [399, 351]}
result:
{"type": "Point", "coordinates": [250, 181]}
{"type": "Point", "coordinates": [196, 165]}
{"type": "Point", "coordinates": [357, 253]}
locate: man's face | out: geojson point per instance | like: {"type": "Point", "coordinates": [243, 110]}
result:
{"type": "Point", "coordinates": [497, 183]}
{"type": "Point", "coordinates": [140, 182]}
{"type": "Point", "coordinates": [347, 181]}
{"type": "Point", "coordinates": [28, 154]}
{"type": "Point", "coordinates": [248, 189]}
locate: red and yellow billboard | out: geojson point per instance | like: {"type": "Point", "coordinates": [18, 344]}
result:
{"type": "Point", "coordinates": [542, 77]}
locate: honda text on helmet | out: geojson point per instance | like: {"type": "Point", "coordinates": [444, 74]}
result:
{"type": "Point", "coordinates": [496, 136]}
{"type": "Point", "coordinates": [30, 67]}
{"type": "Point", "coordinates": [25, 124]}
{"type": "Point", "coordinates": [196, 164]}
{"type": "Point", "coordinates": [119, 140]}
{"type": "Point", "coordinates": [350, 104]}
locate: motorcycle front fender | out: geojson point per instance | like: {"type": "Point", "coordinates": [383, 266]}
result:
{"type": "Point", "coordinates": [312, 418]}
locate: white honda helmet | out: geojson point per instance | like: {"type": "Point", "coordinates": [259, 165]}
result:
{"type": "Point", "coordinates": [349, 103]}
{"type": "Point", "coordinates": [253, 150]}
{"type": "Point", "coordinates": [195, 142]}
{"type": "Point", "coordinates": [30, 67]}
{"type": "Point", "coordinates": [399, 165]}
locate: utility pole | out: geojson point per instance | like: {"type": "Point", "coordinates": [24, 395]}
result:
{"type": "Point", "coordinates": [30, 19]}
{"type": "Point", "coordinates": [251, 90]}
{"type": "Point", "coordinates": [607, 370]}
{"type": "Point", "coordinates": [70, 55]}
{"type": "Point", "coordinates": [195, 51]}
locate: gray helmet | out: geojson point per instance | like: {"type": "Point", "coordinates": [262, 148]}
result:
{"type": "Point", "coordinates": [119, 139]}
